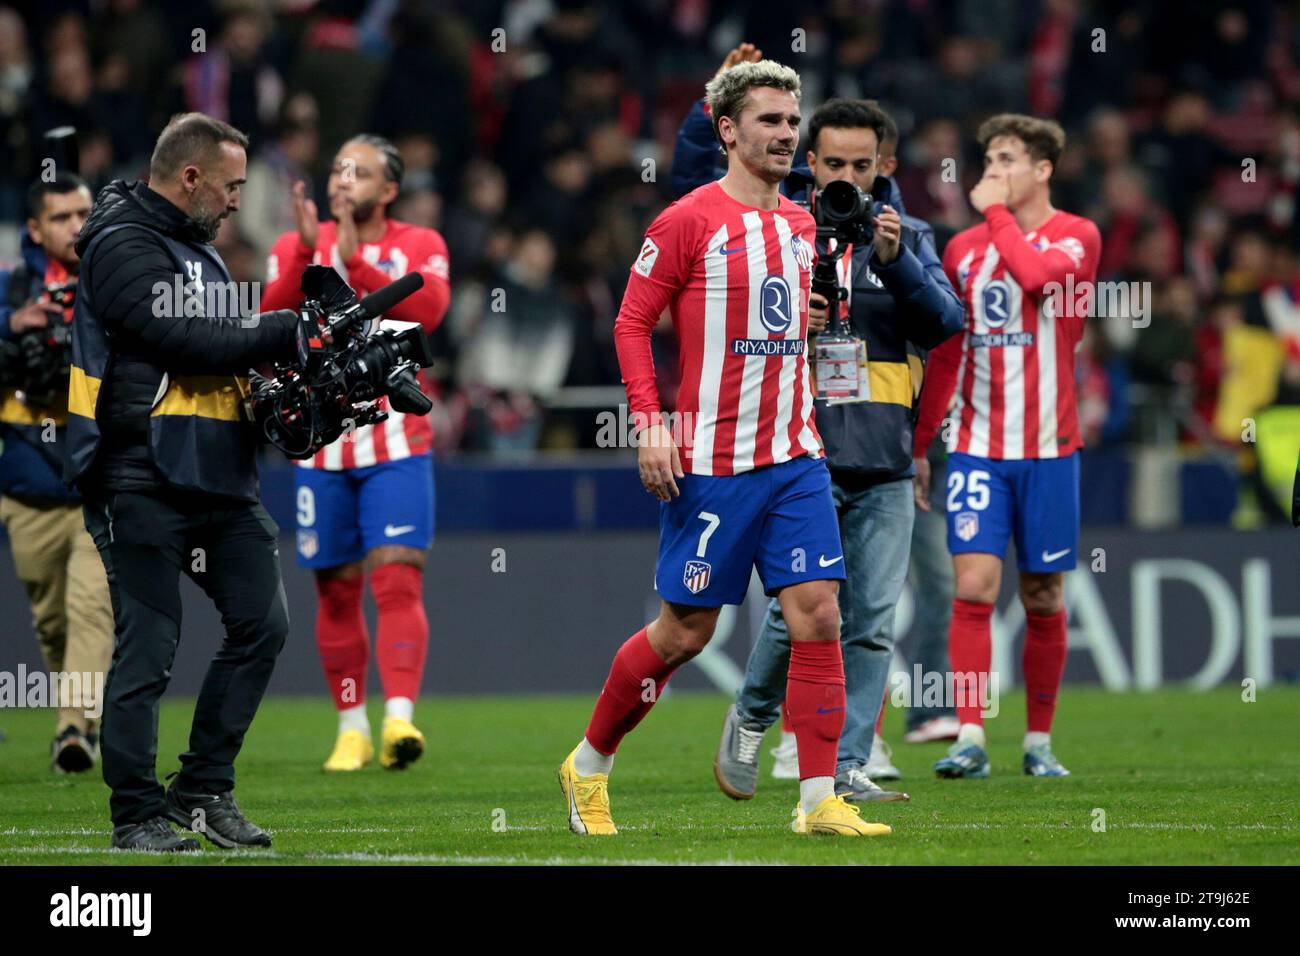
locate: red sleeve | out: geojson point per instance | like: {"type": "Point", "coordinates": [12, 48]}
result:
{"type": "Point", "coordinates": [1077, 255]}
{"type": "Point", "coordinates": [284, 267]}
{"type": "Point", "coordinates": [936, 393]}
{"type": "Point", "coordinates": [660, 271]}
{"type": "Point", "coordinates": [941, 367]}
{"type": "Point", "coordinates": [428, 252]}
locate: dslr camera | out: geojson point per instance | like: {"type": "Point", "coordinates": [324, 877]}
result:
{"type": "Point", "coordinates": [37, 362]}
{"type": "Point", "coordinates": [342, 368]}
{"type": "Point", "coordinates": [846, 214]}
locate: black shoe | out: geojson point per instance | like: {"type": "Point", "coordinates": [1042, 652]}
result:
{"type": "Point", "coordinates": [219, 820]}
{"type": "Point", "coordinates": [154, 834]}
{"type": "Point", "coordinates": [72, 752]}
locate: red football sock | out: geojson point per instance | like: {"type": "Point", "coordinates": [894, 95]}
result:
{"type": "Point", "coordinates": [970, 651]}
{"type": "Point", "coordinates": [403, 637]}
{"type": "Point", "coordinates": [1044, 660]}
{"type": "Point", "coordinates": [814, 700]}
{"type": "Point", "coordinates": [786, 726]}
{"type": "Point", "coordinates": [626, 699]}
{"type": "Point", "coordinates": [342, 639]}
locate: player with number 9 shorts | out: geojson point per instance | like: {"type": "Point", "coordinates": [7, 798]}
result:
{"type": "Point", "coordinates": [365, 502]}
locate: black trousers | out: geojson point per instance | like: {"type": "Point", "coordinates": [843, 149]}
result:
{"type": "Point", "coordinates": [228, 548]}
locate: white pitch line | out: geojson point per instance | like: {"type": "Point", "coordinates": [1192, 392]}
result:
{"type": "Point", "coordinates": [384, 858]}
{"type": "Point", "coordinates": [911, 827]}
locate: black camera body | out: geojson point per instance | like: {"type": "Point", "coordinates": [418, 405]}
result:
{"type": "Point", "coordinates": [48, 357]}
{"type": "Point", "coordinates": [847, 214]}
{"type": "Point", "coordinates": [11, 363]}
{"type": "Point", "coordinates": [341, 368]}
{"type": "Point", "coordinates": [37, 362]}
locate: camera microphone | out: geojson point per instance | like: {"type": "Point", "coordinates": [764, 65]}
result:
{"type": "Point", "coordinates": [379, 301]}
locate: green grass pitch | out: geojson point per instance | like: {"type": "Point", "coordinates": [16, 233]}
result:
{"type": "Point", "coordinates": [1182, 778]}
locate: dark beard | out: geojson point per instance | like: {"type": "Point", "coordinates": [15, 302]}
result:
{"type": "Point", "coordinates": [361, 211]}
{"type": "Point", "coordinates": [206, 225]}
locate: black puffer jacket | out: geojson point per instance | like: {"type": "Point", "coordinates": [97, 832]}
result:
{"type": "Point", "coordinates": [126, 267]}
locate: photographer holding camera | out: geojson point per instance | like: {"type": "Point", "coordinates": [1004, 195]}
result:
{"type": "Point", "coordinates": [167, 466]}
{"type": "Point", "coordinates": [54, 556]}
{"type": "Point", "coordinates": [897, 304]}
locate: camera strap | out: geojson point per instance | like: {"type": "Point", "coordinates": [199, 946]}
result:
{"type": "Point", "coordinates": [839, 356]}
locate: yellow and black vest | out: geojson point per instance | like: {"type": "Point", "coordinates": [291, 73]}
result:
{"type": "Point", "coordinates": [32, 438]}
{"type": "Point", "coordinates": [198, 437]}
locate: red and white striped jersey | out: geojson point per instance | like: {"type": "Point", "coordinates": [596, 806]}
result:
{"type": "Point", "coordinates": [1013, 368]}
{"type": "Point", "coordinates": [736, 282]}
{"type": "Point", "coordinates": [401, 249]}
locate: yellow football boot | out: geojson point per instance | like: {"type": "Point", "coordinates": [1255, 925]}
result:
{"type": "Point", "coordinates": [835, 816]}
{"type": "Point", "coordinates": [588, 800]}
{"type": "Point", "coordinates": [352, 751]}
{"type": "Point", "coordinates": [400, 744]}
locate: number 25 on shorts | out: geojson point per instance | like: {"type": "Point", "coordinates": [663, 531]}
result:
{"type": "Point", "coordinates": [976, 486]}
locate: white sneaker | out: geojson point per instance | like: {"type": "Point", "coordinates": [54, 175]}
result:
{"type": "Point", "coordinates": [936, 728]}
{"type": "Point", "coordinates": [787, 758]}
{"type": "Point", "coordinates": [880, 766]}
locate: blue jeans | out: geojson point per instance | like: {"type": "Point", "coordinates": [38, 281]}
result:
{"type": "Point", "coordinates": [876, 531]}
{"type": "Point", "coordinates": [933, 584]}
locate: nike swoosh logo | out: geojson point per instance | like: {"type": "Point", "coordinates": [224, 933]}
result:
{"type": "Point", "coordinates": [1049, 558]}
{"type": "Point", "coordinates": [828, 710]}
{"type": "Point", "coordinates": [391, 532]}
{"type": "Point", "coordinates": [826, 564]}
{"type": "Point", "coordinates": [727, 252]}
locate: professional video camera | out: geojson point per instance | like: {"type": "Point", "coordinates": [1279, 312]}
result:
{"type": "Point", "coordinates": [342, 368]}
{"type": "Point", "coordinates": [37, 362]}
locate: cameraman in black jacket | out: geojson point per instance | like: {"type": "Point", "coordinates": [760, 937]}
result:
{"type": "Point", "coordinates": [166, 464]}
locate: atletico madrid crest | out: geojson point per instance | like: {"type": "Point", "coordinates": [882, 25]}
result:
{"type": "Point", "coordinates": [803, 253]}
{"type": "Point", "coordinates": [696, 577]}
{"type": "Point", "coordinates": [308, 544]}
{"type": "Point", "coordinates": [968, 525]}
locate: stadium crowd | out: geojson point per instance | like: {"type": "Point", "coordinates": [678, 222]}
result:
{"type": "Point", "coordinates": [538, 136]}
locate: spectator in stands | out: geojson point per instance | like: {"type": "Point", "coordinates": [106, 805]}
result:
{"type": "Point", "coordinates": [523, 344]}
{"type": "Point", "coordinates": [232, 80]}
{"type": "Point", "coordinates": [267, 211]}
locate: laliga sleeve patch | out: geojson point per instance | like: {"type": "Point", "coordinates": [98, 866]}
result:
{"type": "Point", "coordinates": [645, 260]}
{"type": "Point", "coordinates": [1072, 247]}
{"type": "Point", "coordinates": [437, 266]}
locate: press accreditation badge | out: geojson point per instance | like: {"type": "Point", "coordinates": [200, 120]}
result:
{"type": "Point", "coordinates": [835, 364]}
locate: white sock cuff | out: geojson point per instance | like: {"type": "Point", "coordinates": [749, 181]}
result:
{"type": "Point", "coordinates": [354, 718]}
{"type": "Point", "coordinates": [971, 734]}
{"type": "Point", "coordinates": [589, 760]}
{"type": "Point", "coordinates": [813, 790]}
{"type": "Point", "coordinates": [402, 707]}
